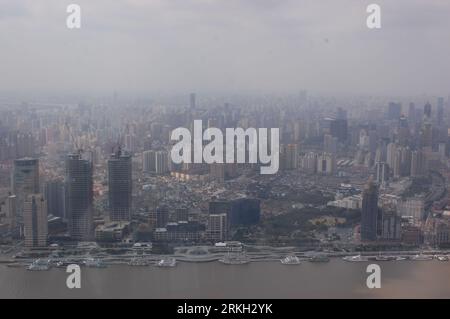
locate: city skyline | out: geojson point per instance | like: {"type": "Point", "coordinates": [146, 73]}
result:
{"type": "Point", "coordinates": [224, 149]}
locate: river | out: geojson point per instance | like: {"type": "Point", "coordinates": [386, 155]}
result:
{"type": "Point", "coordinates": [336, 279]}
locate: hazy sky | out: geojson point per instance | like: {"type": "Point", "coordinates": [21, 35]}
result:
{"type": "Point", "coordinates": [136, 46]}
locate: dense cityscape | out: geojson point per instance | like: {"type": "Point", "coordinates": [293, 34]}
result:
{"type": "Point", "coordinates": [214, 149]}
{"type": "Point", "coordinates": [94, 181]}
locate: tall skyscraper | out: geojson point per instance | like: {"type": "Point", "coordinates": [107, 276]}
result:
{"type": "Point", "coordinates": [403, 133]}
{"type": "Point", "coordinates": [217, 227]}
{"type": "Point", "coordinates": [55, 196]}
{"type": "Point", "coordinates": [120, 187]}
{"type": "Point", "coordinates": [35, 221]}
{"type": "Point", "coordinates": [391, 152]}
{"type": "Point", "coordinates": [161, 162]}
{"type": "Point", "coordinates": [417, 164]}
{"type": "Point", "coordinates": [339, 129]}
{"type": "Point", "coordinates": [131, 143]}
{"type": "Point", "coordinates": [309, 162]}
{"type": "Point", "coordinates": [79, 196]}
{"type": "Point", "coordinates": [382, 171]}
{"type": "Point", "coordinates": [426, 134]}
{"type": "Point", "coordinates": [369, 213]}
{"type": "Point", "coordinates": [25, 180]}
{"type": "Point", "coordinates": [148, 161]}
{"type": "Point", "coordinates": [391, 225]}
{"type": "Point", "coordinates": [11, 212]}
{"type": "Point", "coordinates": [289, 156]}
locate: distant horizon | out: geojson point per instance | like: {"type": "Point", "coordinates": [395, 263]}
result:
{"type": "Point", "coordinates": [183, 97]}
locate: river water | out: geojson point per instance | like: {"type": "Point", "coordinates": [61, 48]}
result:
{"type": "Point", "coordinates": [336, 279]}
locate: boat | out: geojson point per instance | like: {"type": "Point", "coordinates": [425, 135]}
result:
{"type": "Point", "coordinates": [385, 258]}
{"type": "Point", "coordinates": [235, 259]}
{"type": "Point", "coordinates": [357, 258]}
{"type": "Point", "coordinates": [319, 259]}
{"type": "Point", "coordinates": [421, 257]}
{"type": "Point", "coordinates": [138, 261]}
{"type": "Point", "coordinates": [94, 263]}
{"type": "Point", "coordinates": [400, 258]}
{"type": "Point", "coordinates": [441, 257]}
{"type": "Point", "coordinates": [167, 262]}
{"type": "Point", "coordinates": [39, 265]}
{"type": "Point", "coordinates": [290, 260]}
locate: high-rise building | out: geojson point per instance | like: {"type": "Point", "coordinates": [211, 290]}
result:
{"type": "Point", "coordinates": [412, 207]}
{"type": "Point", "coordinates": [35, 221]}
{"type": "Point", "coordinates": [149, 162]}
{"type": "Point", "coordinates": [217, 227]}
{"type": "Point", "coordinates": [79, 197]}
{"type": "Point", "coordinates": [182, 214]}
{"type": "Point", "coordinates": [159, 217]}
{"type": "Point", "coordinates": [119, 187]}
{"type": "Point", "coordinates": [341, 114]}
{"type": "Point", "coordinates": [418, 165]}
{"type": "Point", "coordinates": [397, 169]}
{"type": "Point", "coordinates": [382, 171]}
{"type": "Point", "coordinates": [391, 226]}
{"type": "Point", "coordinates": [11, 212]}
{"type": "Point", "coordinates": [289, 156]}
{"type": "Point", "coordinates": [54, 193]}
{"type": "Point", "coordinates": [330, 144]}
{"type": "Point", "coordinates": [161, 162]}
{"type": "Point", "coordinates": [25, 180]}
{"type": "Point", "coordinates": [369, 213]}
{"type": "Point", "coordinates": [25, 146]}
{"type": "Point", "coordinates": [391, 152]}
{"type": "Point", "coordinates": [240, 212]}
{"type": "Point", "coordinates": [309, 162]}
{"type": "Point", "coordinates": [244, 212]}
{"type": "Point", "coordinates": [426, 134]}
{"type": "Point", "coordinates": [326, 164]}
{"type": "Point", "coordinates": [339, 129]}
{"type": "Point", "coordinates": [405, 161]}
{"type": "Point", "coordinates": [403, 133]}
{"type": "Point", "coordinates": [131, 143]}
